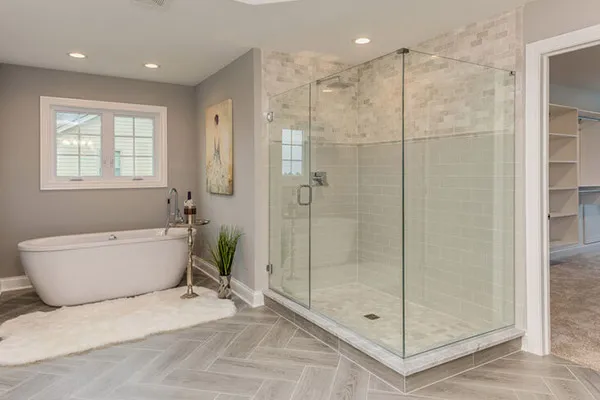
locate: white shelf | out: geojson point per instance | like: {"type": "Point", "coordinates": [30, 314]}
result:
{"type": "Point", "coordinates": [592, 114]}
{"type": "Point", "coordinates": [562, 243]}
{"type": "Point", "coordinates": [563, 215]}
{"type": "Point", "coordinates": [558, 110]}
{"type": "Point", "coordinates": [563, 177]}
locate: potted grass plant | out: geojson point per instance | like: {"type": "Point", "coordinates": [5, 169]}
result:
{"type": "Point", "coordinates": [222, 255]}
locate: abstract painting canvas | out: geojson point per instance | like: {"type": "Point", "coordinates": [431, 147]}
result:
{"type": "Point", "coordinates": [219, 148]}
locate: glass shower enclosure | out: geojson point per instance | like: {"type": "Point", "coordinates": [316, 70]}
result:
{"type": "Point", "coordinates": [392, 199]}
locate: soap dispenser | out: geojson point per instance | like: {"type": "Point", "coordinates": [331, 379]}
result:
{"type": "Point", "coordinates": [189, 209]}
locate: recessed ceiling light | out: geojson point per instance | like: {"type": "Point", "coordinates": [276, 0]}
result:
{"type": "Point", "coordinates": [77, 55]}
{"type": "Point", "coordinates": [327, 90]}
{"type": "Point", "coordinates": [362, 40]}
{"type": "Point", "coordinates": [151, 65]}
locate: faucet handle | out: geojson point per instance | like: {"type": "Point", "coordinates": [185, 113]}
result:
{"type": "Point", "coordinates": [178, 217]}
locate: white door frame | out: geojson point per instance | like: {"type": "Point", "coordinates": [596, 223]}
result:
{"type": "Point", "coordinates": [536, 179]}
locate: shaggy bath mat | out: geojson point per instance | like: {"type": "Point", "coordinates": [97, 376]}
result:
{"type": "Point", "coordinates": [69, 330]}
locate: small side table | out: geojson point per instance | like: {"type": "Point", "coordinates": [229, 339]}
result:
{"type": "Point", "coordinates": [189, 294]}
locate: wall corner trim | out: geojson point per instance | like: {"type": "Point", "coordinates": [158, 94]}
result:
{"type": "Point", "coordinates": [14, 283]}
{"type": "Point", "coordinates": [254, 298]}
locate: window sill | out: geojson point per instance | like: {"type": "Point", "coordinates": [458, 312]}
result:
{"type": "Point", "coordinates": [91, 185]}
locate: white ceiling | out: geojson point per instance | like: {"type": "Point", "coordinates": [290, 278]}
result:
{"type": "Point", "coordinates": [580, 69]}
{"type": "Point", "coordinates": [192, 39]}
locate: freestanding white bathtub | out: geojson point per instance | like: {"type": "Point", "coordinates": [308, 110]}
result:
{"type": "Point", "coordinates": [78, 269]}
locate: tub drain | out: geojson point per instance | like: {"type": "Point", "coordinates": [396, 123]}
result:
{"type": "Point", "coordinates": [372, 317]}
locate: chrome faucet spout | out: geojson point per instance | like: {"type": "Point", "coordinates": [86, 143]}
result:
{"type": "Point", "coordinates": [174, 216]}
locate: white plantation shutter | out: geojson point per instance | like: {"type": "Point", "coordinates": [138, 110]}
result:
{"type": "Point", "coordinates": [134, 146]}
{"type": "Point", "coordinates": [78, 144]}
{"type": "Point", "coordinates": [92, 145]}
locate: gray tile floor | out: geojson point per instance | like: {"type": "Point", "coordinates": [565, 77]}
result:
{"type": "Point", "coordinates": [258, 355]}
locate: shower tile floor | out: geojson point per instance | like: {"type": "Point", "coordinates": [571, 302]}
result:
{"type": "Point", "coordinates": [425, 328]}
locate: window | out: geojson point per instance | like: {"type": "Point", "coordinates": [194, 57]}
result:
{"type": "Point", "coordinates": [134, 146]}
{"type": "Point", "coordinates": [78, 144]}
{"type": "Point", "coordinates": [95, 145]}
{"type": "Point", "coordinates": [292, 152]}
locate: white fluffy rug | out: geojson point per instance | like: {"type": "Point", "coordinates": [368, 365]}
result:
{"type": "Point", "coordinates": [68, 330]}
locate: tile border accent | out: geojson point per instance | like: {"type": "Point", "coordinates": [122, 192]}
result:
{"type": "Point", "coordinates": [406, 374]}
{"type": "Point", "coordinates": [253, 298]}
{"type": "Point", "coordinates": [14, 283]}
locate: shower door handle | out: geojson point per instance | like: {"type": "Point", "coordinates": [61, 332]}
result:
{"type": "Point", "coordinates": [299, 195]}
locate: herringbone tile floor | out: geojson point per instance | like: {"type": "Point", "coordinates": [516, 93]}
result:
{"type": "Point", "coordinates": [259, 356]}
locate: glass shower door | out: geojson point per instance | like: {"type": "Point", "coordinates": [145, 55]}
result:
{"type": "Point", "coordinates": [290, 194]}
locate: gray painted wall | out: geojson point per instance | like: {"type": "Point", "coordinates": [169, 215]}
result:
{"type": "Point", "coordinates": [547, 18]}
{"type": "Point", "coordinates": [237, 82]}
{"type": "Point", "coordinates": [583, 99]}
{"type": "Point", "coordinates": [26, 212]}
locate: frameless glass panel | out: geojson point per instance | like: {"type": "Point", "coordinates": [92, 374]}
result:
{"type": "Point", "coordinates": [334, 223]}
{"type": "Point", "coordinates": [459, 200]}
{"type": "Point", "coordinates": [289, 197]}
{"type": "Point", "coordinates": [356, 263]}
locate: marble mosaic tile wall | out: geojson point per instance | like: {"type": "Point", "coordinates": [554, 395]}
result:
{"type": "Point", "coordinates": [380, 100]}
{"type": "Point", "coordinates": [285, 71]}
{"type": "Point", "coordinates": [335, 108]}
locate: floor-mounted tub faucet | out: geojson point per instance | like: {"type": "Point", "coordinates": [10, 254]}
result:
{"type": "Point", "coordinates": [173, 213]}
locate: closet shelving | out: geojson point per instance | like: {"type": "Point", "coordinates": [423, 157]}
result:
{"type": "Point", "coordinates": [563, 168]}
{"type": "Point", "coordinates": [589, 141]}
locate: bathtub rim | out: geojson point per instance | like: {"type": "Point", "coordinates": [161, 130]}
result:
{"type": "Point", "coordinates": [34, 246]}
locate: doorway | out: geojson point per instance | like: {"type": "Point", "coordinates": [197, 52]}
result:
{"type": "Point", "coordinates": [574, 205]}
{"type": "Point", "coordinates": [562, 258]}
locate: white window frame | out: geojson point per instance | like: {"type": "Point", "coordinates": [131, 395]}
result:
{"type": "Point", "coordinates": [108, 110]}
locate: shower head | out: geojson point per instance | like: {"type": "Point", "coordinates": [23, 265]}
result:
{"type": "Point", "coordinates": [334, 82]}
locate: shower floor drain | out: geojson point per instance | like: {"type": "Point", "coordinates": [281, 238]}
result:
{"type": "Point", "coordinates": [372, 317]}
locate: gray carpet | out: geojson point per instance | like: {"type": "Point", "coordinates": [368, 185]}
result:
{"type": "Point", "coordinates": [575, 309]}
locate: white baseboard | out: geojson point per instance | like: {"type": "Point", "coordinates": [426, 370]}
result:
{"type": "Point", "coordinates": [574, 250]}
{"type": "Point", "coordinates": [14, 283]}
{"type": "Point", "coordinates": [254, 298]}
